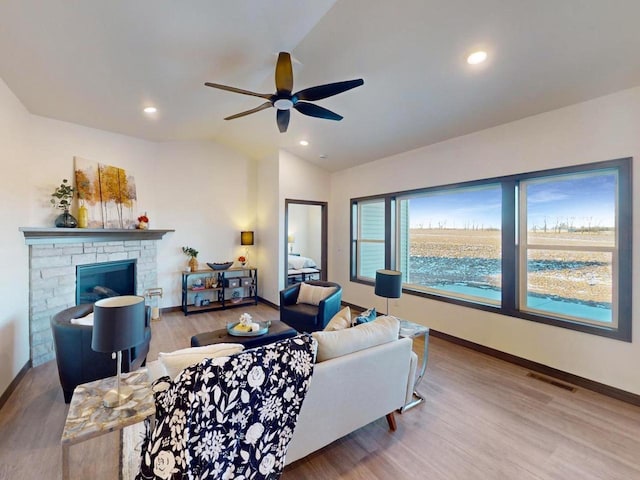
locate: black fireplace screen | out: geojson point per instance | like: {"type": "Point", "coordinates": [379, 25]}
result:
{"type": "Point", "coordinates": [102, 280]}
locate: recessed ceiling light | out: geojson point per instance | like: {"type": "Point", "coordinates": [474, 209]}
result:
{"type": "Point", "coordinates": [477, 57]}
{"type": "Point", "coordinates": [150, 110]}
{"type": "Point", "coordinates": [304, 143]}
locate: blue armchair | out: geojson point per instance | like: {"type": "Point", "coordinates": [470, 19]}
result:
{"type": "Point", "coordinates": [309, 318]}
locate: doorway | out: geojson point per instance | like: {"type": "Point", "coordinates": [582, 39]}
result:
{"type": "Point", "coordinates": [305, 234]}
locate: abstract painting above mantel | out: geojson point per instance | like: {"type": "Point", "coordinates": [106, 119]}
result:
{"type": "Point", "coordinates": [108, 192]}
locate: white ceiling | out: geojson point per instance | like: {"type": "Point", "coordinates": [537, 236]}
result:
{"type": "Point", "coordinates": [99, 62]}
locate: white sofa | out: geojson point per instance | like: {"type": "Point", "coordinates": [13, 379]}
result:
{"type": "Point", "coordinates": [348, 392]}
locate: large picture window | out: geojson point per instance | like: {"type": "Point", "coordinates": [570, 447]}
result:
{"type": "Point", "coordinates": [551, 246]}
{"type": "Point", "coordinates": [453, 242]}
{"type": "Point", "coordinates": [568, 250]}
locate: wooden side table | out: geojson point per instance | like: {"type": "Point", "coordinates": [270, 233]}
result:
{"type": "Point", "coordinates": [89, 418]}
{"type": "Point", "coordinates": [414, 330]}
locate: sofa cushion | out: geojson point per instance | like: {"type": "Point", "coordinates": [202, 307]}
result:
{"type": "Point", "coordinates": [340, 320]}
{"type": "Point", "coordinates": [342, 342]}
{"type": "Point", "coordinates": [313, 294]}
{"type": "Point", "coordinates": [368, 315]}
{"type": "Point", "coordinates": [176, 361]}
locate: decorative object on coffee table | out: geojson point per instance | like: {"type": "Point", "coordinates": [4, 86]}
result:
{"type": "Point", "coordinates": [388, 284]}
{"type": "Point", "coordinates": [118, 324]}
{"type": "Point", "coordinates": [62, 199]}
{"type": "Point", "coordinates": [246, 327]}
{"type": "Point", "coordinates": [192, 253]}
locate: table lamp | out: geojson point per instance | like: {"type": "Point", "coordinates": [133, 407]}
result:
{"type": "Point", "coordinates": [246, 239]}
{"type": "Point", "coordinates": [291, 238]}
{"type": "Point", "coordinates": [118, 324]}
{"type": "Point", "coordinates": [388, 284]}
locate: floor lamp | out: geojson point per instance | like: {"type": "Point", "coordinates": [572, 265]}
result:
{"type": "Point", "coordinates": [388, 284]}
{"type": "Point", "coordinates": [118, 324]}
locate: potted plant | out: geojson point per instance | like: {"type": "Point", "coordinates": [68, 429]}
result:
{"type": "Point", "coordinates": [62, 199]}
{"type": "Point", "coordinates": [192, 253]}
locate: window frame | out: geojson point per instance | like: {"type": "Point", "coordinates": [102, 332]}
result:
{"type": "Point", "coordinates": [511, 254]}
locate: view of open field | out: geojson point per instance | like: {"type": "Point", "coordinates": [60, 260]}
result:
{"type": "Point", "coordinates": [440, 256]}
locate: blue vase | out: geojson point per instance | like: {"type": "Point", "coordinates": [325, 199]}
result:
{"type": "Point", "coordinates": [66, 220]}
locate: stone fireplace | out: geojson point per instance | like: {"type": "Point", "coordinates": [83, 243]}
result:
{"type": "Point", "coordinates": [54, 255]}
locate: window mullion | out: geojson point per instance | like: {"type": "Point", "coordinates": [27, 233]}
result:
{"type": "Point", "coordinates": [509, 248]}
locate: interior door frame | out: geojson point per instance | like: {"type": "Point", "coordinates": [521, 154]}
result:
{"type": "Point", "coordinates": [324, 222]}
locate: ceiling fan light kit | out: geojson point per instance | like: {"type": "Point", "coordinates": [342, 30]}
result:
{"type": "Point", "coordinates": [284, 100]}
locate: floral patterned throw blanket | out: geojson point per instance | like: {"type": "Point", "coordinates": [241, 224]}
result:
{"type": "Point", "coordinates": [229, 417]}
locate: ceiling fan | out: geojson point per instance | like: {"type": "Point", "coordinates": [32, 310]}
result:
{"type": "Point", "coordinates": [283, 100]}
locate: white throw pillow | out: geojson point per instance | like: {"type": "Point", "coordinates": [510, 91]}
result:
{"type": "Point", "coordinates": [342, 342]}
{"type": "Point", "coordinates": [86, 320]}
{"type": "Point", "coordinates": [175, 362]}
{"type": "Point", "coordinates": [313, 294]}
{"type": "Point", "coordinates": [340, 320]}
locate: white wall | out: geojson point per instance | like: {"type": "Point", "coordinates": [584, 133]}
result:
{"type": "Point", "coordinates": [204, 191]}
{"type": "Point", "coordinates": [268, 236]}
{"type": "Point", "coordinates": [14, 258]}
{"type": "Point", "coordinates": [601, 129]}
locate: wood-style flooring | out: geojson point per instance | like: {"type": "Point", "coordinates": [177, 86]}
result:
{"type": "Point", "coordinates": [483, 419]}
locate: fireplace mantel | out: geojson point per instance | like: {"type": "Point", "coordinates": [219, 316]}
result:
{"type": "Point", "coordinates": [34, 235]}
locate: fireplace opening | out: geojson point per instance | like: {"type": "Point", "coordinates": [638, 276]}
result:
{"type": "Point", "coordinates": [107, 279]}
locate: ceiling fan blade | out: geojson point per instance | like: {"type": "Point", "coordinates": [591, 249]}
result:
{"type": "Point", "coordinates": [316, 111]}
{"type": "Point", "coordinates": [328, 90]}
{"type": "Point", "coordinates": [248, 112]}
{"type": "Point", "coordinates": [237, 90]}
{"type": "Point", "coordinates": [282, 117]}
{"type": "Point", "coordinates": [284, 74]}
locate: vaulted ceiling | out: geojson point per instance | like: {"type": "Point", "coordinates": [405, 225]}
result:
{"type": "Point", "coordinates": [98, 63]}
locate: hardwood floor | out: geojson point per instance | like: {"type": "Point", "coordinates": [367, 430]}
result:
{"type": "Point", "coordinates": [483, 419]}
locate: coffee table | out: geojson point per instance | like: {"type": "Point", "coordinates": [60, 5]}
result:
{"type": "Point", "coordinates": [277, 331]}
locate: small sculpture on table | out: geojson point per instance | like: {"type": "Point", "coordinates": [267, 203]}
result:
{"type": "Point", "coordinates": [246, 327]}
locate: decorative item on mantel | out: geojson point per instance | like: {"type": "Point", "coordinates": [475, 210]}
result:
{"type": "Point", "coordinates": [192, 253]}
{"type": "Point", "coordinates": [83, 215]}
{"type": "Point", "coordinates": [62, 199]}
{"type": "Point", "coordinates": [143, 222]}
